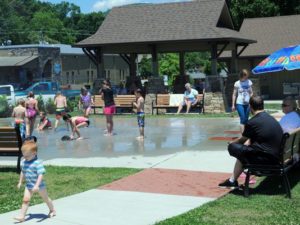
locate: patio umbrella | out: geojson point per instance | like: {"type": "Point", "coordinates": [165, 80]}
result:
{"type": "Point", "coordinates": [286, 58]}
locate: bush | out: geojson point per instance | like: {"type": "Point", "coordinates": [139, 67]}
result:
{"type": "Point", "coordinates": [50, 106]}
{"type": "Point", "coordinates": [5, 110]}
{"type": "Point", "coordinates": [72, 104]}
{"type": "Point", "coordinates": [41, 103]}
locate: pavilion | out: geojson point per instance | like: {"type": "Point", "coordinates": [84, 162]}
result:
{"type": "Point", "coordinates": [202, 25]}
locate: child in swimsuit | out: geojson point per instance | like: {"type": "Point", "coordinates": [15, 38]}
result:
{"type": "Point", "coordinates": [86, 101]}
{"type": "Point", "coordinates": [76, 122]}
{"type": "Point", "coordinates": [44, 123]}
{"type": "Point", "coordinates": [19, 115]}
{"type": "Point", "coordinates": [31, 112]}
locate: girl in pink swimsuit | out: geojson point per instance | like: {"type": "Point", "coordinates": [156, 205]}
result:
{"type": "Point", "coordinates": [76, 122]}
{"type": "Point", "coordinates": [31, 112]}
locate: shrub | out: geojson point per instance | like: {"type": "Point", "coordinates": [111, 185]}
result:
{"type": "Point", "coordinates": [72, 104]}
{"type": "Point", "coordinates": [41, 103]}
{"type": "Point", "coordinates": [50, 106]}
{"type": "Point", "coordinates": [5, 109]}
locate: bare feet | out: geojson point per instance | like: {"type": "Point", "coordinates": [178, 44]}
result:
{"type": "Point", "coordinates": [80, 138]}
{"type": "Point", "coordinates": [19, 219]}
{"type": "Point", "coordinates": [52, 213]}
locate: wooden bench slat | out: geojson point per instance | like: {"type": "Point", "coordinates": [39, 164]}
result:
{"type": "Point", "coordinates": [121, 101]}
{"type": "Point", "coordinates": [9, 149]}
{"type": "Point", "coordinates": [10, 143]}
{"type": "Point", "coordinates": [163, 101]}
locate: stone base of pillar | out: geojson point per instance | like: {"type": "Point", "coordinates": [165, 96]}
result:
{"type": "Point", "coordinates": [214, 103]}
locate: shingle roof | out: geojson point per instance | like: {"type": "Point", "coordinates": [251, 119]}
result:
{"type": "Point", "coordinates": [16, 60]}
{"type": "Point", "coordinates": [271, 33]}
{"type": "Point", "coordinates": [195, 20]}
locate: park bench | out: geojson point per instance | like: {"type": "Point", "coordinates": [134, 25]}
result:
{"type": "Point", "coordinates": [11, 143]}
{"type": "Point", "coordinates": [289, 147]}
{"type": "Point", "coordinates": [121, 102]}
{"type": "Point", "coordinates": [163, 102]}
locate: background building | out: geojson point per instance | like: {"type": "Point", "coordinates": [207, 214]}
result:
{"type": "Point", "coordinates": [24, 64]}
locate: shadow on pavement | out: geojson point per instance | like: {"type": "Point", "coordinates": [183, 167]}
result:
{"type": "Point", "coordinates": [272, 185]}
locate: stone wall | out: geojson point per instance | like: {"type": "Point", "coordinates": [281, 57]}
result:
{"type": "Point", "coordinates": [214, 103]}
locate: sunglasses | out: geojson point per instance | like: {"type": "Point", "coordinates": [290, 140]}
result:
{"type": "Point", "coordinates": [284, 105]}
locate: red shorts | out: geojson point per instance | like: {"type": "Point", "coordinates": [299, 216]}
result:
{"type": "Point", "coordinates": [110, 110]}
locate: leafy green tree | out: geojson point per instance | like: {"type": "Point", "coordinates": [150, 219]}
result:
{"type": "Point", "coordinates": [145, 67]}
{"type": "Point", "coordinates": [50, 28]}
{"type": "Point", "coordinates": [169, 65]}
{"type": "Point", "coordinates": [241, 9]}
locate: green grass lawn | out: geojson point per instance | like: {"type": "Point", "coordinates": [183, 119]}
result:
{"type": "Point", "coordinates": [266, 205]}
{"type": "Point", "coordinates": [60, 181]}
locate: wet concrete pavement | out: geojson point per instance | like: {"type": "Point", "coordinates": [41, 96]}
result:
{"type": "Point", "coordinates": [163, 136]}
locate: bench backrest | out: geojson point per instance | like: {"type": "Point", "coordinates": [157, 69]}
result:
{"type": "Point", "coordinates": [290, 146]}
{"type": "Point", "coordinates": [124, 100]}
{"type": "Point", "coordinates": [162, 99]}
{"type": "Point", "coordinates": [98, 101]}
{"type": "Point", "coordinates": [10, 139]}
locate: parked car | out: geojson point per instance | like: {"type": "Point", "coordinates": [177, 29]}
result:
{"type": "Point", "coordinates": [47, 89]}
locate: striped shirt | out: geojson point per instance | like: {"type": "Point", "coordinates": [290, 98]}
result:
{"type": "Point", "coordinates": [31, 170]}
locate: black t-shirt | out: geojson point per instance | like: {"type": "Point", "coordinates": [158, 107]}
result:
{"type": "Point", "coordinates": [265, 133]}
{"type": "Point", "coordinates": [108, 97]}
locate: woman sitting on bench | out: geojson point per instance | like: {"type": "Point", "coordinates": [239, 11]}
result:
{"type": "Point", "coordinates": [189, 98]}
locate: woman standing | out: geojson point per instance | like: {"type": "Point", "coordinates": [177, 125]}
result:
{"type": "Point", "coordinates": [240, 98]}
{"type": "Point", "coordinates": [32, 110]}
{"type": "Point", "coordinates": [109, 105]}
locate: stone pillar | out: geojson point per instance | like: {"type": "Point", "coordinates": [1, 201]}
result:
{"type": "Point", "coordinates": [214, 103]}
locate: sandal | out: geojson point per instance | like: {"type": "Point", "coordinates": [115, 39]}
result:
{"type": "Point", "coordinates": [51, 214]}
{"type": "Point", "coordinates": [19, 219]}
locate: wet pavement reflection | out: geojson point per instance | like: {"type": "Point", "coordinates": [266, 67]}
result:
{"type": "Point", "coordinates": [163, 136]}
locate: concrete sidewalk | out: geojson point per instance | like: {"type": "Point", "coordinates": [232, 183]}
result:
{"type": "Point", "coordinates": [120, 205]}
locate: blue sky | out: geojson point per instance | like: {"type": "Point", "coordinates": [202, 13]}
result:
{"type": "Point", "coordinates": [88, 6]}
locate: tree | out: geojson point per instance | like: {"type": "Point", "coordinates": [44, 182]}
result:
{"type": "Point", "coordinates": [169, 65]}
{"type": "Point", "coordinates": [46, 26]}
{"type": "Point", "coordinates": [145, 67]}
{"type": "Point", "coordinates": [241, 9]}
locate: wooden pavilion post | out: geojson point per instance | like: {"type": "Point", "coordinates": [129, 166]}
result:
{"type": "Point", "coordinates": [132, 65]}
{"type": "Point", "coordinates": [154, 54]}
{"type": "Point", "coordinates": [181, 63]}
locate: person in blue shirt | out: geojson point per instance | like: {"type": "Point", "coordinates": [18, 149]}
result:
{"type": "Point", "coordinates": [291, 120]}
{"type": "Point", "coordinates": [33, 172]}
{"type": "Point", "coordinates": [189, 98]}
